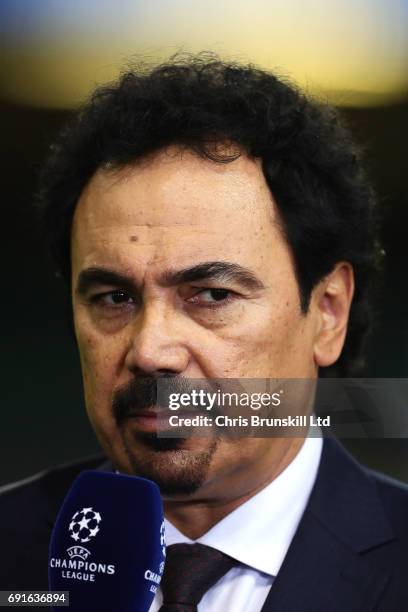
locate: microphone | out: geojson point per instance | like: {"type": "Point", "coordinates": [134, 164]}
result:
{"type": "Point", "coordinates": [107, 547]}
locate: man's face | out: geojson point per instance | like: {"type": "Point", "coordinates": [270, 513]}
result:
{"type": "Point", "coordinates": [134, 317]}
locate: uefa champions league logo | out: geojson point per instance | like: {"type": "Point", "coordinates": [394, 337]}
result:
{"type": "Point", "coordinates": [151, 575]}
{"type": "Point", "coordinates": [84, 525]}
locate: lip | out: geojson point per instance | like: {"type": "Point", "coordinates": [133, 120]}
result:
{"type": "Point", "coordinates": [151, 421]}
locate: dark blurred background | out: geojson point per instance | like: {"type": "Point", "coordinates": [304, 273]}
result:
{"type": "Point", "coordinates": [43, 78]}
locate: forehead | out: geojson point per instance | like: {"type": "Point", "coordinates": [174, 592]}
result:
{"type": "Point", "coordinates": [172, 203]}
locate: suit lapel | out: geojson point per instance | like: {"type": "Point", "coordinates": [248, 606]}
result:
{"type": "Point", "coordinates": [325, 568]}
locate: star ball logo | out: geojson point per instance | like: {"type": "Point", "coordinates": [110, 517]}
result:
{"type": "Point", "coordinates": [163, 539]}
{"type": "Point", "coordinates": [84, 525]}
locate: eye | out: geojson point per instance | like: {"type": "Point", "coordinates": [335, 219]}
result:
{"type": "Point", "coordinates": [115, 298]}
{"type": "Point", "coordinates": [212, 297]}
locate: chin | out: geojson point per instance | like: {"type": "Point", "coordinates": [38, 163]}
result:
{"type": "Point", "coordinates": [175, 469]}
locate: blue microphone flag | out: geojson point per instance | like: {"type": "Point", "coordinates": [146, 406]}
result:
{"type": "Point", "coordinates": [107, 547]}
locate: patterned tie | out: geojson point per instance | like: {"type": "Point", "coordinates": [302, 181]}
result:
{"type": "Point", "coordinates": [190, 570]}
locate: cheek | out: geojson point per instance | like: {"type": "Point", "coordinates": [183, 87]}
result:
{"type": "Point", "coordinates": [268, 342]}
{"type": "Point", "coordinates": [99, 381]}
{"type": "Point", "coordinates": [99, 362]}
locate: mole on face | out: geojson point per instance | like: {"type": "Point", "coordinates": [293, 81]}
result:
{"type": "Point", "coordinates": [133, 239]}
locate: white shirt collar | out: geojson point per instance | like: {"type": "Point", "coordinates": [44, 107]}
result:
{"type": "Point", "coordinates": [259, 532]}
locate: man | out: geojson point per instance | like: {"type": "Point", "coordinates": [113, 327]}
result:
{"type": "Point", "coordinates": [213, 223]}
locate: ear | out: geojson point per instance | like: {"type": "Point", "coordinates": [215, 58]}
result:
{"type": "Point", "coordinates": [332, 300]}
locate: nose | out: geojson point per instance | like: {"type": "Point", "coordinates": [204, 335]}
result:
{"type": "Point", "coordinates": [156, 346]}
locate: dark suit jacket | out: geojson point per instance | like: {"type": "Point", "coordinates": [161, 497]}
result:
{"type": "Point", "coordinates": [349, 554]}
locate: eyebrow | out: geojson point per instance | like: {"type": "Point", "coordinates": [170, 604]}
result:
{"type": "Point", "coordinates": [212, 270]}
{"type": "Point", "coordinates": [92, 277]}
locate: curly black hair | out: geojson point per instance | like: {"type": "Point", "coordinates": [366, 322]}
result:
{"type": "Point", "coordinates": [326, 204]}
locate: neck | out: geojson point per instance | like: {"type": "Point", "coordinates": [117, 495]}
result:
{"type": "Point", "coordinates": [196, 515]}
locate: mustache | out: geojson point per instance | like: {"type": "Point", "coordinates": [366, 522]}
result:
{"type": "Point", "coordinates": [139, 394]}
